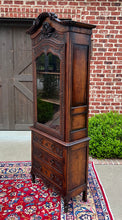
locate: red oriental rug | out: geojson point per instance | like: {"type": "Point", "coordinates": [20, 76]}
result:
{"type": "Point", "coordinates": [20, 199]}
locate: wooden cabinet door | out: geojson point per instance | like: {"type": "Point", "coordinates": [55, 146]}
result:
{"type": "Point", "coordinates": [16, 95]}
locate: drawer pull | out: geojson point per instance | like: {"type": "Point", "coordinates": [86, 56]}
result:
{"type": "Point", "coordinates": [40, 155]}
{"type": "Point", "coordinates": [53, 147]}
{"type": "Point", "coordinates": [52, 162]}
{"type": "Point", "coordinates": [60, 184]}
{"type": "Point", "coordinates": [52, 176]}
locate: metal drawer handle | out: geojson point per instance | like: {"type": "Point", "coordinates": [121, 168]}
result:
{"type": "Point", "coordinates": [52, 176]}
{"type": "Point", "coordinates": [40, 155]}
{"type": "Point", "coordinates": [60, 184]}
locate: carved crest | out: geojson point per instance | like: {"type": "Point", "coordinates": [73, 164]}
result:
{"type": "Point", "coordinates": [46, 31]}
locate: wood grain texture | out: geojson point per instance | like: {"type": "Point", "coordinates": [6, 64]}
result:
{"type": "Point", "coordinates": [61, 159]}
{"type": "Point", "coordinates": [16, 78]}
{"type": "Point", "coordinates": [80, 59]}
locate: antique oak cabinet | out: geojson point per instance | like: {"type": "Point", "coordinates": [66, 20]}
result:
{"type": "Point", "coordinates": [61, 57]}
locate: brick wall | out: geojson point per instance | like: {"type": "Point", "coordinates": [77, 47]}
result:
{"type": "Point", "coordinates": [106, 62]}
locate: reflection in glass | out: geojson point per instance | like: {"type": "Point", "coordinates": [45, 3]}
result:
{"type": "Point", "coordinates": [48, 88]}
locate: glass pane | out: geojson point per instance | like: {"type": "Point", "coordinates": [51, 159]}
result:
{"type": "Point", "coordinates": [48, 90]}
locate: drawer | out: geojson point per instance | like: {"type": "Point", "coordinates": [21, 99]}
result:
{"type": "Point", "coordinates": [48, 158]}
{"type": "Point", "coordinates": [46, 171]}
{"type": "Point", "coordinates": [54, 147]}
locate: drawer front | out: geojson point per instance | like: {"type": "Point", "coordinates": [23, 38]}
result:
{"type": "Point", "coordinates": [48, 144]}
{"type": "Point", "coordinates": [44, 170]}
{"type": "Point", "coordinates": [46, 157]}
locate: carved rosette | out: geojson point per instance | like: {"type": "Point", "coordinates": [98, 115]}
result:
{"type": "Point", "coordinates": [46, 31]}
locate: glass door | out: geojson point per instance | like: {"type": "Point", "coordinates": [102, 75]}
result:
{"type": "Point", "coordinates": [48, 90]}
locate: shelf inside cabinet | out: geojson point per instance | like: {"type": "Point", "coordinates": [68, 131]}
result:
{"type": "Point", "coordinates": [53, 101]}
{"type": "Point", "coordinates": [43, 72]}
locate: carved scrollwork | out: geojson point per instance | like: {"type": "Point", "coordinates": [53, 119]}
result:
{"type": "Point", "coordinates": [50, 46]}
{"type": "Point", "coordinates": [46, 31]}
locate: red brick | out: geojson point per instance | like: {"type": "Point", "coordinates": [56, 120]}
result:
{"type": "Point", "coordinates": [41, 3]}
{"type": "Point", "coordinates": [119, 18]}
{"type": "Point", "coordinates": [96, 79]}
{"type": "Point", "coordinates": [116, 4]}
{"type": "Point", "coordinates": [99, 83]}
{"type": "Point", "coordinates": [109, 92]}
{"type": "Point", "coordinates": [120, 58]}
{"type": "Point", "coordinates": [108, 45]}
{"type": "Point", "coordinates": [30, 3]}
{"type": "Point", "coordinates": [90, 17]}
{"type": "Point", "coordinates": [98, 62]}
{"type": "Point", "coordinates": [102, 49]}
{"type": "Point", "coordinates": [113, 49]}
{"type": "Point", "coordinates": [73, 3]}
{"type": "Point", "coordinates": [101, 8]}
{"type": "Point", "coordinates": [99, 107]}
{"type": "Point", "coordinates": [101, 58]}
{"type": "Point", "coordinates": [119, 27]}
{"type": "Point", "coordinates": [116, 87]}
{"type": "Point", "coordinates": [18, 2]}
{"type": "Point", "coordinates": [112, 8]}
{"type": "Point", "coordinates": [62, 3]}
{"type": "Point", "coordinates": [107, 79]}
{"type": "Point", "coordinates": [111, 18]}
{"type": "Point", "coordinates": [95, 3]}
{"type": "Point", "coordinates": [6, 9]}
{"type": "Point", "coordinates": [112, 40]}
{"type": "Point", "coordinates": [91, 8]}
{"type": "Point", "coordinates": [8, 2]}
{"type": "Point", "coordinates": [113, 31]}
{"type": "Point", "coordinates": [99, 36]}
{"type": "Point", "coordinates": [114, 22]}
{"type": "Point", "coordinates": [109, 27]}
{"type": "Point", "coordinates": [100, 100]}
{"type": "Point", "coordinates": [105, 4]}
{"type": "Point", "coordinates": [52, 3]}
{"type": "Point", "coordinates": [94, 111]}
{"type": "Point", "coordinates": [115, 13]}
{"type": "Point", "coordinates": [95, 103]}
{"type": "Point", "coordinates": [103, 22]}
{"type": "Point", "coordinates": [103, 40]}
{"type": "Point", "coordinates": [119, 83]}
{"type": "Point", "coordinates": [115, 103]}
{"type": "Point", "coordinates": [94, 13]}
{"type": "Point", "coordinates": [105, 103]}
{"type": "Point", "coordinates": [85, 12]}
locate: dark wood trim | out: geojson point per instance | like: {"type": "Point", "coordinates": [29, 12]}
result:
{"type": "Point", "coordinates": [66, 144]}
{"type": "Point", "coordinates": [16, 21]}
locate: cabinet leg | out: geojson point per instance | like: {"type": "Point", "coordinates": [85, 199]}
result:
{"type": "Point", "coordinates": [65, 205]}
{"type": "Point", "coordinates": [32, 177]}
{"type": "Point", "coordinates": [85, 196]}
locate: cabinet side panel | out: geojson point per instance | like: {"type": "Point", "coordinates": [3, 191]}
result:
{"type": "Point", "coordinates": [78, 121]}
{"type": "Point", "coordinates": [80, 59]}
{"type": "Point", "coordinates": [77, 166]}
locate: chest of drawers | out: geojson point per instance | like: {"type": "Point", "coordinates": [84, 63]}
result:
{"type": "Point", "coordinates": [61, 166]}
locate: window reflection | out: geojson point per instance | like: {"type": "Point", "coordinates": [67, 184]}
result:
{"type": "Point", "coordinates": [48, 90]}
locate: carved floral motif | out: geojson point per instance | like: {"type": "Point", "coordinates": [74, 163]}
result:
{"type": "Point", "coordinates": [46, 31]}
